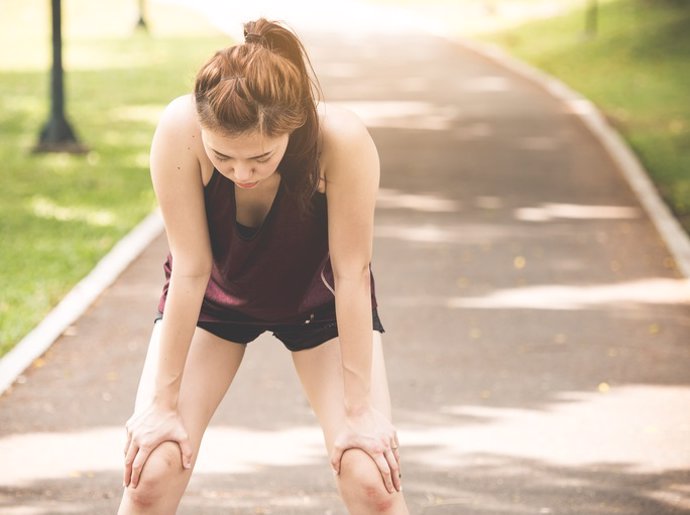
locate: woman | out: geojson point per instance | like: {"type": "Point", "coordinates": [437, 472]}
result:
{"type": "Point", "coordinates": [268, 200]}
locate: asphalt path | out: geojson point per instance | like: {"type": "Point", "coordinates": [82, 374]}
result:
{"type": "Point", "coordinates": [537, 329]}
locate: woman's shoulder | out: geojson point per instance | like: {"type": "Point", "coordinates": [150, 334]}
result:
{"type": "Point", "coordinates": [180, 113]}
{"type": "Point", "coordinates": [179, 132]}
{"type": "Point", "coordinates": [338, 123]}
{"type": "Point", "coordinates": [177, 142]}
{"type": "Point", "coordinates": [343, 133]}
{"type": "Point", "coordinates": [347, 149]}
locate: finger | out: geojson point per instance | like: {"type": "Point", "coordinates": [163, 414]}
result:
{"type": "Point", "coordinates": [394, 469]}
{"type": "Point", "coordinates": [128, 440]}
{"type": "Point", "coordinates": [397, 460]}
{"type": "Point", "coordinates": [336, 457]}
{"type": "Point", "coordinates": [385, 471]}
{"type": "Point", "coordinates": [395, 444]}
{"type": "Point", "coordinates": [138, 465]}
{"type": "Point", "coordinates": [396, 452]}
{"type": "Point", "coordinates": [129, 460]}
{"type": "Point", "coordinates": [186, 450]}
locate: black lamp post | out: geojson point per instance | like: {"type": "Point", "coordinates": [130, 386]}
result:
{"type": "Point", "coordinates": [591, 18]}
{"type": "Point", "coordinates": [141, 22]}
{"type": "Point", "coordinates": [57, 134]}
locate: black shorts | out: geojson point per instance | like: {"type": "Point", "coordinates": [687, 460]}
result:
{"type": "Point", "coordinates": [318, 327]}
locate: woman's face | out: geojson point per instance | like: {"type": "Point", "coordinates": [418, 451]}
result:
{"type": "Point", "coordinates": [246, 159]}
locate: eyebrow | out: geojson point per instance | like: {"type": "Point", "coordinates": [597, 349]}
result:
{"type": "Point", "coordinates": [220, 154]}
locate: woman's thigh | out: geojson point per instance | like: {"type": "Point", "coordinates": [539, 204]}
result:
{"type": "Point", "coordinates": [360, 482]}
{"type": "Point", "coordinates": [321, 374]}
{"type": "Point", "coordinates": [209, 370]}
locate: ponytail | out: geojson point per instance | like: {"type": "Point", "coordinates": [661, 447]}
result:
{"type": "Point", "coordinates": [266, 84]}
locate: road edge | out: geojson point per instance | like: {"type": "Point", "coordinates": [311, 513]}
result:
{"type": "Point", "coordinates": [78, 300]}
{"type": "Point", "coordinates": [672, 233]}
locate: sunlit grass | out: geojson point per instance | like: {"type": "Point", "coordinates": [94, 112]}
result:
{"type": "Point", "coordinates": [60, 213]}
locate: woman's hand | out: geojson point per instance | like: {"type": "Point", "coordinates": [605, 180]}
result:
{"type": "Point", "coordinates": [146, 431]}
{"type": "Point", "coordinates": [373, 433]}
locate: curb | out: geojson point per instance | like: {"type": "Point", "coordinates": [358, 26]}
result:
{"type": "Point", "coordinates": [668, 227]}
{"type": "Point", "coordinates": [78, 300]}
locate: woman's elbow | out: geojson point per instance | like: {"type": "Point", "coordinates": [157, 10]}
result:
{"type": "Point", "coordinates": [360, 274]}
{"type": "Point", "coordinates": [192, 269]}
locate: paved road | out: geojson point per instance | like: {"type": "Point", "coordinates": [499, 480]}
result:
{"type": "Point", "coordinates": [537, 332]}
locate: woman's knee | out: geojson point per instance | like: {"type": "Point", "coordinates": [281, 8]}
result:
{"type": "Point", "coordinates": [161, 471]}
{"type": "Point", "coordinates": [361, 483]}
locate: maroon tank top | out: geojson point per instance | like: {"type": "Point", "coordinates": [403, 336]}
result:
{"type": "Point", "coordinates": [279, 273]}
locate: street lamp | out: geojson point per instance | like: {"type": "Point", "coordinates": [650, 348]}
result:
{"type": "Point", "coordinates": [591, 18]}
{"type": "Point", "coordinates": [141, 22]}
{"type": "Point", "coordinates": [57, 134]}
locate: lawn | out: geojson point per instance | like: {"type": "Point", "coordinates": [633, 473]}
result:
{"type": "Point", "coordinates": [60, 213]}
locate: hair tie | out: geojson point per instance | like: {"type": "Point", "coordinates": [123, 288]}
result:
{"type": "Point", "coordinates": [251, 37]}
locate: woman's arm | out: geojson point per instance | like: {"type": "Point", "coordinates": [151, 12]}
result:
{"type": "Point", "coordinates": [352, 178]}
{"type": "Point", "coordinates": [177, 181]}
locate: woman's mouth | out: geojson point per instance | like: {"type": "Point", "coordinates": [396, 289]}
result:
{"type": "Point", "coordinates": [247, 185]}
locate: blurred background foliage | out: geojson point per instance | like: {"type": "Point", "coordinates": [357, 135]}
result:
{"type": "Point", "coordinates": [60, 213]}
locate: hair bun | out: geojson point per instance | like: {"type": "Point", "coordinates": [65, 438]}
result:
{"type": "Point", "coordinates": [254, 38]}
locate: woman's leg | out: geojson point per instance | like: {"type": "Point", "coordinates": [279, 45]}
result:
{"type": "Point", "coordinates": [211, 366]}
{"type": "Point", "coordinates": [359, 481]}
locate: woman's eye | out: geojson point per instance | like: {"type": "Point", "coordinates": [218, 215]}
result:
{"type": "Point", "coordinates": [266, 160]}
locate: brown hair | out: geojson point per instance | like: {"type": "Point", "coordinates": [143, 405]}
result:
{"type": "Point", "coordinates": [267, 84]}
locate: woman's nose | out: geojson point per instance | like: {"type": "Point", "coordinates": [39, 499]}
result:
{"type": "Point", "coordinates": [243, 173]}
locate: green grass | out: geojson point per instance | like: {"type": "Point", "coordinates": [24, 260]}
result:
{"type": "Point", "coordinates": [636, 69]}
{"type": "Point", "coordinates": [60, 213]}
